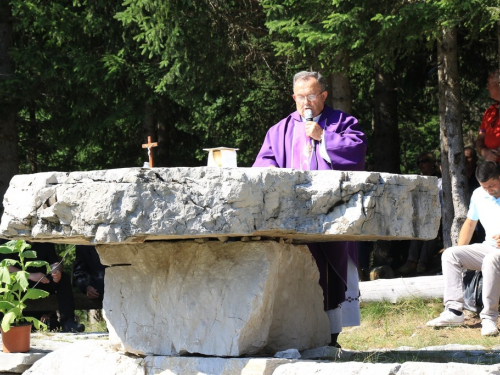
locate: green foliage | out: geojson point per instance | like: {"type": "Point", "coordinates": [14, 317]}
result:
{"type": "Point", "coordinates": [67, 254]}
{"type": "Point", "coordinates": [94, 78]}
{"type": "Point", "coordinates": [14, 290]}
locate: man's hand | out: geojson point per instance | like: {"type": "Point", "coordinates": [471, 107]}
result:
{"type": "Point", "coordinates": [92, 293]}
{"type": "Point", "coordinates": [38, 276]}
{"type": "Point", "coordinates": [489, 154]}
{"type": "Point", "coordinates": [496, 238]}
{"type": "Point", "coordinates": [56, 272]}
{"type": "Point", "coordinates": [313, 130]}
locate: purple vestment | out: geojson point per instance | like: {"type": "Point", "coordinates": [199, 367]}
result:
{"type": "Point", "coordinates": [287, 146]}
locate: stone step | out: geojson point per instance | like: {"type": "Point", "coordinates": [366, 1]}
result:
{"type": "Point", "coordinates": [90, 354]}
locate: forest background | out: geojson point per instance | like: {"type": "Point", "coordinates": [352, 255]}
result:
{"type": "Point", "coordinates": [84, 82]}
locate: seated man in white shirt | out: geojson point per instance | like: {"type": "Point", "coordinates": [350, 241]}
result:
{"type": "Point", "coordinates": [484, 206]}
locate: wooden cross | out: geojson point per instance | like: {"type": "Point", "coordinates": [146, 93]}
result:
{"type": "Point", "coordinates": [150, 154]}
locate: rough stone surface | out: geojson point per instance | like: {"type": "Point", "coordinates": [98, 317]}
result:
{"type": "Point", "coordinates": [19, 362]}
{"type": "Point", "coordinates": [41, 345]}
{"type": "Point", "coordinates": [212, 366]}
{"type": "Point", "coordinates": [289, 354]}
{"type": "Point", "coordinates": [346, 368]}
{"type": "Point", "coordinates": [133, 205]}
{"type": "Point", "coordinates": [323, 352]}
{"type": "Point", "coordinates": [213, 298]}
{"type": "Point", "coordinates": [87, 358]}
{"type": "Point", "coordinates": [95, 356]}
{"type": "Point", "coordinates": [418, 368]}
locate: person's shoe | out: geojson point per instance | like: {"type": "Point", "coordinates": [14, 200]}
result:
{"type": "Point", "coordinates": [72, 326]}
{"type": "Point", "coordinates": [334, 342]}
{"type": "Point", "coordinates": [446, 319]}
{"type": "Point", "coordinates": [421, 268]}
{"type": "Point", "coordinates": [408, 267]}
{"type": "Point", "coordinates": [489, 327]}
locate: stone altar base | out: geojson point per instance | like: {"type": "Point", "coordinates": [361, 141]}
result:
{"type": "Point", "coordinates": [212, 298]}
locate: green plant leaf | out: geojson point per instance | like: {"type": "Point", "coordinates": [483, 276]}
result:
{"type": "Point", "coordinates": [22, 245]}
{"type": "Point", "coordinates": [5, 275]}
{"type": "Point", "coordinates": [5, 305]}
{"type": "Point", "coordinates": [9, 262]}
{"type": "Point", "coordinates": [34, 294]}
{"type": "Point", "coordinates": [38, 324]}
{"type": "Point", "coordinates": [31, 254]}
{"type": "Point", "coordinates": [38, 263]}
{"type": "Point", "coordinates": [8, 319]}
{"type": "Point", "coordinates": [22, 279]}
{"type": "Point", "coordinates": [6, 250]}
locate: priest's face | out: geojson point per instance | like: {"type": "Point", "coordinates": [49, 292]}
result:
{"type": "Point", "coordinates": [308, 95]}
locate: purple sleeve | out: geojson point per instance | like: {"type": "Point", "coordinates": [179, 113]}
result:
{"type": "Point", "coordinates": [266, 156]}
{"type": "Point", "coordinates": [272, 152]}
{"type": "Point", "coordinates": [345, 143]}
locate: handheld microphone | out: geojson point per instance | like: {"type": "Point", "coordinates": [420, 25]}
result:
{"type": "Point", "coordinates": [308, 114]}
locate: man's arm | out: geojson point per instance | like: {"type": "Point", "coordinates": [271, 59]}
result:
{"type": "Point", "coordinates": [466, 232]}
{"type": "Point", "coordinates": [486, 153]}
{"type": "Point", "coordinates": [344, 143]}
{"type": "Point", "coordinates": [271, 152]}
{"type": "Point", "coordinates": [33, 276]}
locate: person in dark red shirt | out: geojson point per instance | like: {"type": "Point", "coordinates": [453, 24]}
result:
{"type": "Point", "coordinates": [488, 139]}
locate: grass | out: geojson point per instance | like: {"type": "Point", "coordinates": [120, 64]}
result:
{"type": "Point", "coordinates": [385, 325]}
{"type": "Point", "coordinates": [95, 323]}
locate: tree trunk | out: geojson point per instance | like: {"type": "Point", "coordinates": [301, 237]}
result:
{"type": "Point", "coordinates": [385, 137]}
{"type": "Point", "coordinates": [340, 88]}
{"type": "Point", "coordinates": [32, 140]}
{"type": "Point", "coordinates": [447, 201]}
{"type": "Point", "coordinates": [164, 125]}
{"type": "Point", "coordinates": [452, 144]}
{"type": "Point", "coordinates": [8, 128]}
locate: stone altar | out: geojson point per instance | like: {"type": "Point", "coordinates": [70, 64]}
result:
{"type": "Point", "coordinates": [209, 260]}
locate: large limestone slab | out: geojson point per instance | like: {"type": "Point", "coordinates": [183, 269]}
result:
{"type": "Point", "coordinates": [18, 362]}
{"type": "Point", "coordinates": [417, 368]}
{"type": "Point", "coordinates": [347, 368]}
{"type": "Point", "coordinates": [214, 298]}
{"type": "Point", "coordinates": [212, 366]}
{"type": "Point", "coordinates": [87, 358]}
{"type": "Point", "coordinates": [129, 205]}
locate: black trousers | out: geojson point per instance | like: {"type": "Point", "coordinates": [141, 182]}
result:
{"type": "Point", "coordinates": [64, 293]}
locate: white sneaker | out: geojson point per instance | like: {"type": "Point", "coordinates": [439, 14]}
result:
{"type": "Point", "coordinates": [489, 327]}
{"type": "Point", "coordinates": [446, 319]}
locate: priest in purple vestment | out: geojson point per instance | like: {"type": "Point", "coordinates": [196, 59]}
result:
{"type": "Point", "coordinates": [318, 137]}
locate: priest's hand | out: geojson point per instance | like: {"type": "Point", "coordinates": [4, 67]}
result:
{"type": "Point", "coordinates": [313, 130]}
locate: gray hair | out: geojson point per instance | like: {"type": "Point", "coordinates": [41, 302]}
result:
{"type": "Point", "coordinates": [305, 76]}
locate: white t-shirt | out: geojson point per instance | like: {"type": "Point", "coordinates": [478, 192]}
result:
{"type": "Point", "coordinates": [485, 208]}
